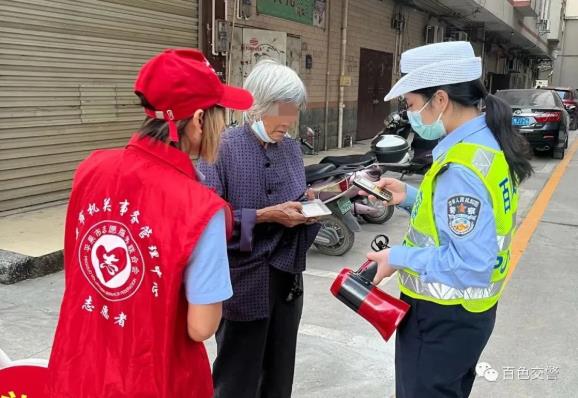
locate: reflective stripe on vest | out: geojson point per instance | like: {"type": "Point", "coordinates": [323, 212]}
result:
{"type": "Point", "coordinates": [483, 160]}
{"type": "Point", "coordinates": [504, 242]}
{"type": "Point", "coordinates": [440, 291]}
{"type": "Point", "coordinates": [419, 239]}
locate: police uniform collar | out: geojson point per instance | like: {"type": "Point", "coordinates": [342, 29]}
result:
{"type": "Point", "coordinates": [459, 135]}
{"type": "Point", "coordinates": [165, 153]}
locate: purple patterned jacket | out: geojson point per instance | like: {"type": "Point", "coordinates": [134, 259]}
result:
{"type": "Point", "coordinates": [251, 176]}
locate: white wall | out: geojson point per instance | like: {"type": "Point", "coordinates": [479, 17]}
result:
{"type": "Point", "coordinates": [566, 65]}
{"type": "Point", "coordinates": [571, 8]}
{"type": "Point", "coordinates": [555, 20]}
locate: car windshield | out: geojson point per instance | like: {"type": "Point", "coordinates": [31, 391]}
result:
{"type": "Point", "coordinates": [528, 98]}
{"type": "Point", "coordinates": [563, 94]}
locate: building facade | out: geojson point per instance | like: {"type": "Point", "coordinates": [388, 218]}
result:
{"type": "Point", "coordinates": [67, 67]}
{"type": "Point", "coordinates": [345, 52]}
{"type": "Point", "coordinates": [566, 64]}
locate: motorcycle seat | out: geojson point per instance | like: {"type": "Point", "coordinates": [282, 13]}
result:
{"type": "Point", "coordinates": [350, 160]}
{"type": "Point", "coordinates": [316, 172]}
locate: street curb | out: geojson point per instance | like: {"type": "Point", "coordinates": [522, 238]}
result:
{"type": "Point", "coordinates": [15, 267]}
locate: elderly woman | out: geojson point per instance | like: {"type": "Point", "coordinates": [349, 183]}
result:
{"type": "Point", "coordinates": [260, 173]}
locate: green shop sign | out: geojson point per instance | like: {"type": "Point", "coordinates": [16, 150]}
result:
{"type": "Point", "coordinates": [309, 12]}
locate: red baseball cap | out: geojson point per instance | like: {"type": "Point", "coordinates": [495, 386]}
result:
{"type": "Point", "coordinates": [178, 82]}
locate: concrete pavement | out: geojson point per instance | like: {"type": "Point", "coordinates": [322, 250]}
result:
{"type": "Point", "coordinates": [340, 355]}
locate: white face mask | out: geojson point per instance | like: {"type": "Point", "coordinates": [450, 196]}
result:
{"type": "Point", "coordinates": [259, 129]}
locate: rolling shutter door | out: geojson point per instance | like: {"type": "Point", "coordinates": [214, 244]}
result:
{"type": "Point", "coordinates": [66, 74]}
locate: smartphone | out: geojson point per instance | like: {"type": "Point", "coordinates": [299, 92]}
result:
{"type": "Point", "coordinates": [372, 189]}
{"type": "Point", "coordinates": [315, 209]}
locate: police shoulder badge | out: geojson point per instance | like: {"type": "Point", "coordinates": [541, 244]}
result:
{"type": "Point", "coordinates": [463, 212]}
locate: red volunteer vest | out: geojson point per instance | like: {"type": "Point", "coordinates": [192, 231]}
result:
{"type": "Point", "coordinates": [134, 218]}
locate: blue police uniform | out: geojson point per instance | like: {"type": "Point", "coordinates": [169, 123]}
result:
{"type": "Point", "coordinates": [438, 346]}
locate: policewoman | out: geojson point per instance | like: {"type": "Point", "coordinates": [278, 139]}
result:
{"type": "Point", "coordinates": [455, 257]}
{"type": "Point", "coordinates": [145, 255]}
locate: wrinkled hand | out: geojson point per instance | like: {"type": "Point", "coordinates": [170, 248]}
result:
{"type": "Point", "coordinates": [384, 269]}
{"type": "Point", "coordinates": [396, 187]}
{"type": "Point", "coordinates": [287, 214]}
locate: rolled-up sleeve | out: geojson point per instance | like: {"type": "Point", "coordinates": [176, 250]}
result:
{"type": "Point", "coordinates": [467, 231]}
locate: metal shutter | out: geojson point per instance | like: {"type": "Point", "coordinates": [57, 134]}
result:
{"type": "Point", "coordinates": [66, 74]}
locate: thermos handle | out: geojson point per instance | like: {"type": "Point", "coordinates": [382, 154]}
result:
{"type": "Point", "coordinates": [368, 270]}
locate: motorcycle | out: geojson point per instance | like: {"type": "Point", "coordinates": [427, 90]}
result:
{"type": "Point", "coordinates": [331, 181]}
{"type": "Point", "coordinates": [373, 212]}
{"type": "Point", "coordinates": [419, 158]}
{"type": "Point", "coordinates": [330, 184]}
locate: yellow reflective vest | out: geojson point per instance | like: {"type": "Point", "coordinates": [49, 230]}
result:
{"type": "Point", "coordinates": [491, 167]}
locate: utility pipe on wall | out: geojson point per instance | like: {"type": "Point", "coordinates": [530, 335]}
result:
{"type": "Point", "coordinates": [345, 13]}
{"type": "Point", "coordinates": [326, 121]}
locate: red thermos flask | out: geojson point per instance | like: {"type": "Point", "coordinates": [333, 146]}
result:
{"type": "Point", "coordinates": [356, 290]}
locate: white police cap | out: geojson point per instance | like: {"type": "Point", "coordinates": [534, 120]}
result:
{"type": "Point", "coordinates": [436, 65]}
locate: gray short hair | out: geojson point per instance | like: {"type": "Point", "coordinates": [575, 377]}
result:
{"type": "Point", "coordinates": [271, 82]}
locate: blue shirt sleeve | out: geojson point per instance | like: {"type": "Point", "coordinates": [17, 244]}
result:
{"type": "Point", "coordinates": [468, 249]}
{"type": "Point", "coordinates": [207, 277]}
{"type": "Point", "coordinates": [410, 195]}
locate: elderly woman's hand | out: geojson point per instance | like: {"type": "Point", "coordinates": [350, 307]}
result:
{"type": "Point", "coordinates": [287, 214]}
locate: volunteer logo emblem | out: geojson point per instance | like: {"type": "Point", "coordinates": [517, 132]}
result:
{"type": "Point", "coordinates": [111, 260]}
{"type": "Point", "coordinates": [463, 213]}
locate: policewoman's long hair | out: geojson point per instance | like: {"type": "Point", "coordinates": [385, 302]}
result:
{"type": "Point", "coordinates": [499, 119]}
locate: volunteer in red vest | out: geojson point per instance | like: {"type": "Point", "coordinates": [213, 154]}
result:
{"type": "Point", "coordinates": [145, 246]}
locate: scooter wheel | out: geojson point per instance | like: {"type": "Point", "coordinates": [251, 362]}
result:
{"type": "Point", "coordinates": [381, 218]}
{"type": "Point", "coordinates": [346, 237]}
